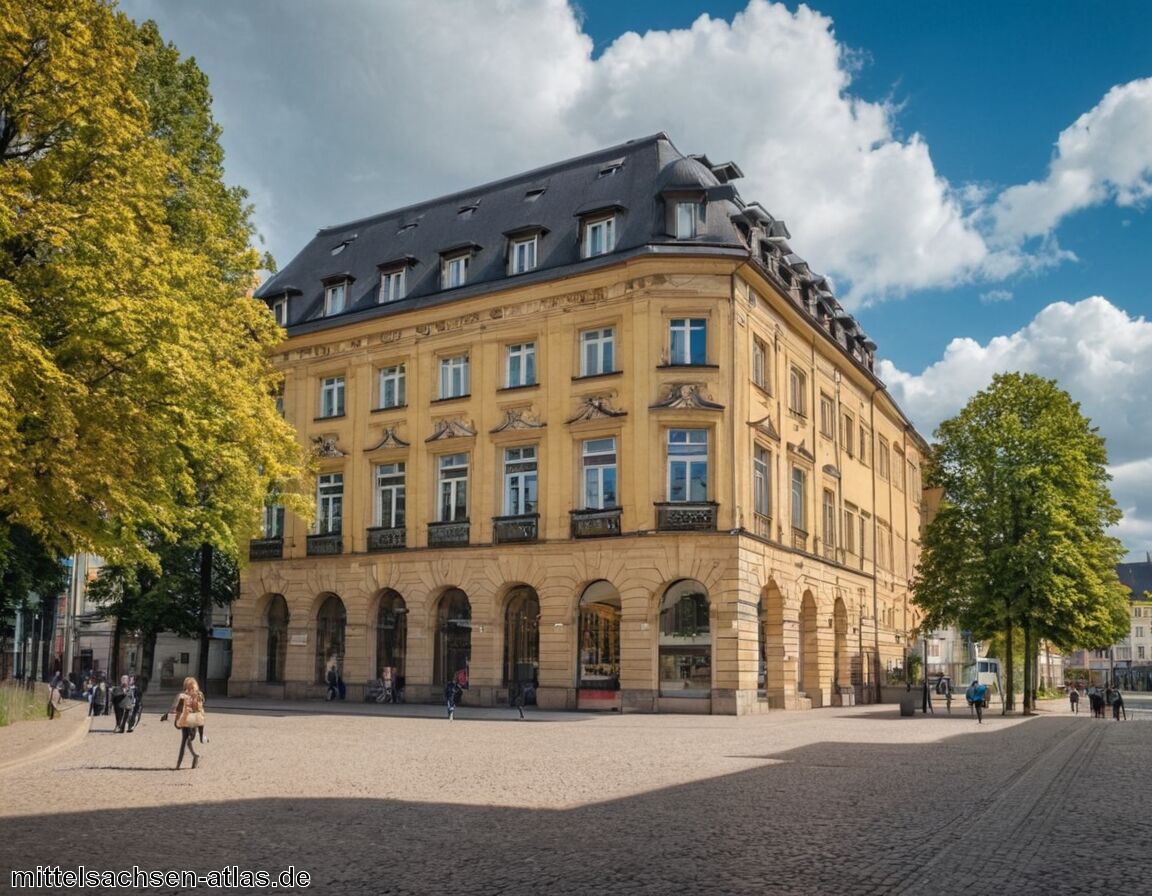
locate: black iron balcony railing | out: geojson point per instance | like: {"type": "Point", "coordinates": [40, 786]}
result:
{"type": "Point", "coordinates": [266, 549]}
{"type": "Point", "coordinates": [448, 535]}
{"type": "Point", "coordinates": [382, 538]}
{"type": "Point", "coordinates": [324, 545]}
{"type": "Point", "coordinates": [681, 516]}
{"type": "Point", "coordinates": [515, 529]}
{"type": "Point", "coordinates": [595, 523]}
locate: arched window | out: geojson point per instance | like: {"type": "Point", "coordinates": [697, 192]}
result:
{"type": "Point", "coordinates": [454, 635]}
{"type": "Point", "coordinates": [331, 621]}
{"type": "Point", "coordinates": [276, 647]}
{"type": "Point", "coordinates": [685, 641]}
{"type": "Point", "coordinates": [391, 633]}
{"type": "Point", "coordinates": [522, 637]}
{"type": "Point", "coordinates": [598, 663]}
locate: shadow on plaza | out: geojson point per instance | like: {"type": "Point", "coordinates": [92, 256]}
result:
{"type": "Point", "coordinates": [825, 818]}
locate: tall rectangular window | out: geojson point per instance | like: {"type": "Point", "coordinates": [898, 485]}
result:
{"type": "Point", "coordinates": [334, 299]}
{"type": "Point", "coordinates": [761, 481]}
{"type": "Point", "coordinates": [850, 528]}
{"type": "Point", "coordinates": [686, 214]}
{"type": "Point", "coordinates": [454, 376]}
{"type": "Point", "coordinates": [797, 392]}
{"type": "Point", "coordinates": [520, 496]}
{"type": "Point", "coordinates": [273, 522]}
{"type": "Point", "coordinates": [280, 312]}
{"type": "Point", "coordinates": [760, 365]}
{"type": "Point", "coordinates": [521, 366]}
{"type": "Point", "coordinates": [865, 444]}
{"type": "Point", "coordinates": [898, 470]}
{"type": "Point", "coordinates": [688, 341]}
{"type": "Point", "coordinates": [522, 255]}
{"type": "Point", "coordinates": [599, 237]}
{"type": "Point", "coordinates": [882, 462]}
{"type": "Point", "coordinates": [827, 416]}
{"type": "Point", "coordinates": [329, 503]}
{"type": "Point", "coordinates": [884, 546]}
{"type": "Point", "coordinates": [392, 390]}
{"type": "Point", "coordinates": [454, 271]}
{"type": "Point", "coordinates": [390, 496]}
{"type": "Point", "coordinates": [848, 435]}
{"type": "Point", "coordinates": [392, 285]}
{"type": "Point", "coordinates": [598, 462]}
{"type": "Point", "coordinates": [688, 465]}
{"type": "Point", "coordinates": [799, 499]}
{"type": "Point", "coordinates": [332, 396]}
{"type": "Point", "coordinates": [597, 351]}
{"type": "Point", "coordinates": [829, 507]}
{"type": "Point", "coordinates": [453, 488]}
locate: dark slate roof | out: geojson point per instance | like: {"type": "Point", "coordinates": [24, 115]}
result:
{"type": "Point", "coordinates": [629, 178]}
{"type": "Point", "coordinates": [1137, 577]}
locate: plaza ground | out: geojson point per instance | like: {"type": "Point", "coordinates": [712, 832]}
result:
{"type": "Point", "coordinates": [383, 799]}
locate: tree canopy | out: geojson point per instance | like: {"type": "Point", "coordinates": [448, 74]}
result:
{"type": "Point", "coordinates": [1020, 538]}
{"type": "Point", "coordinates": [136, 389]}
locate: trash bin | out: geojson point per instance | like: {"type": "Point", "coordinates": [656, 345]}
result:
{"type": "Point", "coordinates": [908, 705]}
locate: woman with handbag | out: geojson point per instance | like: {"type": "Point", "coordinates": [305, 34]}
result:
{"type": "Point", "coordinates": [189, 709]}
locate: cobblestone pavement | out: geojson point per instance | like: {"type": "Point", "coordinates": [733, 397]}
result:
{"type": "Point", "coordinates": [399, 800]}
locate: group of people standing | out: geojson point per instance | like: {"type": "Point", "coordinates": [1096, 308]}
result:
{"type": "Point", "coordinates": [1099, 700]}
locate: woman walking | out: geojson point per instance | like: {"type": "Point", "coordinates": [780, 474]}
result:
{"type": "Point", "coordinates": [189, 709]}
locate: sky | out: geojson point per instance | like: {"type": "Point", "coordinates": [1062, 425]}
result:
{"type": "Point", "coordinates": [975, 178]}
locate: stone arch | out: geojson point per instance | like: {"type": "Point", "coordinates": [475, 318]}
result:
{"type": "Point", "coordinates": [388, 620]}
{"type": "Point", "coordinates": [684, 640]}
{"type": "Point", "coordinates": [808, 661]}
{"type": "Point", "coordinates": [331, 620]}
{"type": "Point", "coordinates": [521, 662]}
{"type": "Point", "coordinates": [274, 620]}
{"type": "Point", "coordinates": [771, 644]}
{"type": "Point", "coordinates": [841, 668]}
{"type": "Point", "coordinates": [453, 628]}
{"type": "Point", "coordinates": [598, 645]}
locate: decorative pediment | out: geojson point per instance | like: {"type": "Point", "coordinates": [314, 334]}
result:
{"type": "Point", "coordinates": [519, 418]}
{"type": "Point", "coordinates": [765, 427]}
{"type": "Point", "coordinates": [830, 470]}
{"type": "Point", "coordinates": [325, 446]}
{"type": "Point", "coordinates": [450, 429]}
{"type": "Point", "coordinates": [594, 408]}
{"type": "Point", "coordinates": [802, 452]}
{"type": "Point", "coordinates": [389, 440]}
{"type": "Point", "coordinates": [687, 395]}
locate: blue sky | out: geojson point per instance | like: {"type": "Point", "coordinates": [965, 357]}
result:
{"type": "Point", "coordinates": [974, 177]}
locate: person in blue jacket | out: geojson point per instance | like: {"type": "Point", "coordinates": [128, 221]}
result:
{"type": "Point", "coordinates": [975, 696]}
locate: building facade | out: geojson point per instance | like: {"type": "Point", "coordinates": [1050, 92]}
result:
{"type": "Point", "coordinates": [593, 431]}
{"type": "Point", "coordinates": [1127, 663]}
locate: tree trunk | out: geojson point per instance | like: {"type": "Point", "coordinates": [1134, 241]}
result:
{"type": "Point", "coordinates": [147, 659]}
{"type": "Point", "coordinates": [205, 612]}
{"type": "Point", "coordinates": [114, 659]}
{"type": "Point", "coordinates": [1009, 691]}
{"type": "Point", "coordinates": [1028, 702]}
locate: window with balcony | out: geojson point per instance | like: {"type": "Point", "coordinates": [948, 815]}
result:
{"type": "Point", "coordinates": [329, 503]}
{"type": "Point", "coordinates": [598, 462]}
{"type": "Point", "coordinates": [273, 522]}
{"type": "Point", "coordinates": [452, 488]}
{"type": "Point", "coordinates": [332, 396]}
{"type": "Point", "coordinates": [520, 365]}
{"type": "Point", "coordinates": [797, 392]}
{"type": "Point", "coordinates": [392, 387]}
{"type": "Point", "coordinates": [597, 351]}
{"type": "Point", "coordinates": [520, 494]}
{"type": "Point", "coordinates": [390, 496]}
{"type": "Point", "coordinates": [687, 465]}
{"type": "Point", "coordinates": [687, 341]}
{"type": "Point", "coordinates": [454, 376]}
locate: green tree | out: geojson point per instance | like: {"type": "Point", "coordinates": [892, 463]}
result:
{"type": "Point", "coordinates": [136, 390]}
{"type": "Point", "coordinates": [1019, 542]}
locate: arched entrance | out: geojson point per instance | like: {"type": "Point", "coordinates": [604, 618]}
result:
{"type": "Point", "coordinates": [331, 623]}
{"type": "Point", "coordinates": [276, 618]}
{"type": "Point", "coordinates": [522, 641]}
{"type": "Point", "coordinates": [598, 648]}
{"type": "Point", "coordinates": [453, 635]}
{"type": "Point", "coordinates": [771, 639]}
{"type": "Point", "coordinates": [685, 646]}
{"type": "Point", "coordinates": [391, 635]}
{"type": "Point", "coordinates": [808, 666]}
{"type": "Point", "coordinates": [841, 671]}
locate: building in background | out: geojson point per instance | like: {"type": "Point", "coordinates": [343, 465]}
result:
{"type": "Point", "coordinates": [594, 431]}
{"type": "Point", "coordinates": [1128, 662]}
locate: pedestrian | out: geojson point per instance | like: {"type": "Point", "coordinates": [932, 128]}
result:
{"type": "Point", "coordinates": [332, 678]}
{"type": "Point", "coordinates": [454, 690]}
{"type": "Point", "coordinates": [134, 697]}
{"type": "Point", "coordinates": [1074, 698]}
{"type": "Point", "coordinates": [189, 710]}
{"type": "Point", "coordinates": [118, 693]}
{"type": "Point", "coordinates": [54, 698]}
{"type": "Point", "coordinates": [516, 697]}
{"type": "Point", "coordinates": [127, 705]}
{"type": "Point", "coordinates": [341, 688]}
{"type": "Point", "coordinates": [1118, 705]}
{"type": "Point", "coordinates": [975, 695]}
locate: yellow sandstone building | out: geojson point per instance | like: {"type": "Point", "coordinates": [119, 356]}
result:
{"type": "Point", "coordinates": [592, 433]}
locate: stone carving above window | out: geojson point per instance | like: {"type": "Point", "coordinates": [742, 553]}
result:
{"type": "Point", "coordinates": [687, 395]}
{"type": "Point", "coordinates": [766, 427]}
{"type": "Point", "coordinates": [596, 407]}
{"type": "Point", "coordinates": [389, 440]}
{"type": "Point", "coordinates": [451, 429]}
{"type": "Point", "coordinates": [519, 418]}
{"type": "Point", "coordinates": [325, 446]}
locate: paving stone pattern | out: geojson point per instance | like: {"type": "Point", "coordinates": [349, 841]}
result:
{"type": "Point", "coordinates": [398, 800]}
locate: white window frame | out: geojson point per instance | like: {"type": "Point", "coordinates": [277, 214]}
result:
{"type": "Point", "coordinates": [827, 415]}
{"type": "Point", "coordinates": [598, 464]}
{"type": "Point", "coordinates": [335, 298]}
{"type": "Point", "coordinates": [332, 396]}
{"type": "Point", "coordinates": [391, 481]}
{"type": "Point", "coordinates": [848, 433]}
{"type": "Point", "coordinates": [687, 455]}
{"type": "Point", "coordinates": [522, 253]}
{"type": "Point", "coordinates": [828, 506]}
{"type": "Point", "coordinates": [799, 505]}
{"type": "Point", "coordinates": [520, 365]}
{"type": "Point", "coordinates": [682, 347]}
{"type": "Point", "coordinates": [454, 270]}
{"type": "Point", "coordinates": [454, 376]}
{"type": "Point", "coordinates": [762, 481]}
{"type": "Point", "coordinates": [452, 488]}
{"type": "Point", "coordinates": [760, 366]}
{"type": "Point", "coordinates": [272, 524]}
{"type": "Point", "coordinates": [329, 503]}
{"type": "Point", "coordinates": [797, 391]}
{"type": "Point", "coordinates": [597, 351]}
{"type": "Point", "coordinates": [687, 214]}
{"type": "Point", "coordinates": [280, 312]}
{"type": "Point", "coordinates": [393, 285]}
{"type": "Point", "coordinates": [883, 459]}
{"type": "Point", "coordinates": [521, 494]}
{"type": "Point", "coordinates": [392, 383]}
{"type": "Point", "coordinates": [599, 236]}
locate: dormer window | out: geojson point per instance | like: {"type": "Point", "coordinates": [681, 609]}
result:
{"type": "Point", "coordinates": [684, 212]}
{"type": "Point", "coordinates": [336, 294]}
{"type": "Point", "coordinates": [599, 236]}
{"type": "Point", "coordinates": [280, 311]}
{"type": "Point", "coordinates": [522, 254]}
{"type": "Point", "coordinates": [454, 264]}
{"type": "Point", "coordinates": [610, 168]}
{"type": "Point", "coordinates": [392, 285]}
{"type": "Point", "coordinates": [687, 213]}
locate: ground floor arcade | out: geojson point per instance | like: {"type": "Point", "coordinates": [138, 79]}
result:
{"type": "Point", "coordinates": [720, 623]}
